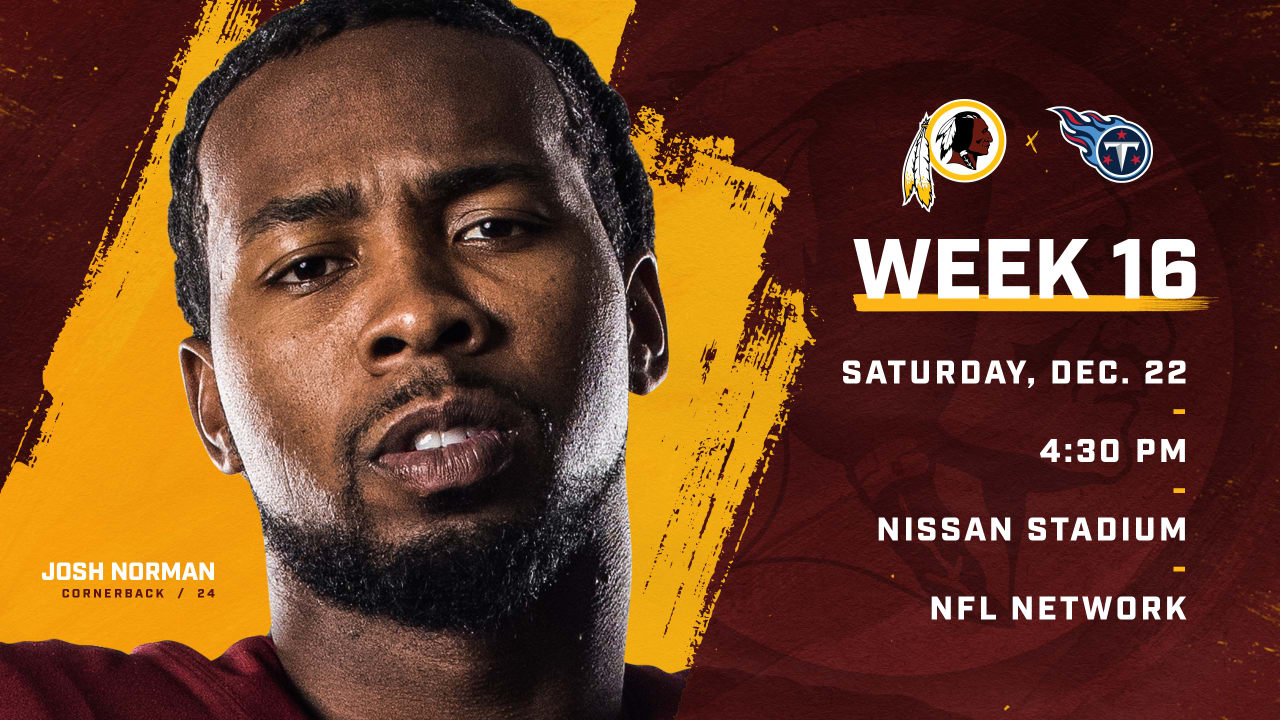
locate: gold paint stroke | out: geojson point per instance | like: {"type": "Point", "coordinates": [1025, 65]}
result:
{"type": "Point", "coordinates": [925, 302]}
{"type": "Point", "coordinates": [737, 340]}
{"type": "Point", "coordinates": [117, 474]}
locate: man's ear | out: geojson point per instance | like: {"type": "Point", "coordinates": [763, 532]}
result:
{"type": "Point", "coordinates": [646, 325]}
{"type": "Point", "coordinates": [206, 404]}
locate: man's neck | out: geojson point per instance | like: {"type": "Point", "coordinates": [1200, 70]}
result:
{"type": "Point", "coordinates": [563, 658]}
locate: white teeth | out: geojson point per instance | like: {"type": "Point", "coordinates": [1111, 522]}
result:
{"type": "Point", "coordinates": [452, 436]}
{"type": "Point", "coordinates": [430, 440]}
{"type": "Point", "coordinates": [427, 441]}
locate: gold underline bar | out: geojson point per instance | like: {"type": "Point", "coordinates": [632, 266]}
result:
{"type": "Point", "coordinates": [1179, 568]}
{"type": "Point", "coordinates": [1179, 411]}
{"type": "Point", "coordinates": [1179, 491]}
{"type": "Point", "coordinates": [925, 302]}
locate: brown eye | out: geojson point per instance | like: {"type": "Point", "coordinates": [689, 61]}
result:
{"type": "Point", "coordinates": [493, 229]}
{"type": "Point", "coordinates": [311, 268]}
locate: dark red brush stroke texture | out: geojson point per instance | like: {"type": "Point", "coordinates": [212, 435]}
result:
{"type": "Point", "coordinates": [817, 618]}
{"type": "Point", "coordinates": [78, 84]}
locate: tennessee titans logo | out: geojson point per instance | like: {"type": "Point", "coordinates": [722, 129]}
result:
{"type": "Point", "coordinates": [1118, 149]}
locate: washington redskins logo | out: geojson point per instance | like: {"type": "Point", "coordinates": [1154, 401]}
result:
{"type": "Point", "coordinates": [963, 141]}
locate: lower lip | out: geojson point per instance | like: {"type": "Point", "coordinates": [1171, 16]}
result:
{"type": "Point", "coordinates": [455, 466]}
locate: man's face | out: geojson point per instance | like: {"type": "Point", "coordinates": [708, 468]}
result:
{"type": "Point", "coordinates": [419, 328]}
{"type": "Point", "coordinates": [981, 137]}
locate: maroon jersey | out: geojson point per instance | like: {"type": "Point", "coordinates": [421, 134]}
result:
{"type": "Point", "coordinates": [54, 680]}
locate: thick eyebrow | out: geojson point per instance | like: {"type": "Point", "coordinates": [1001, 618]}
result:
{"type": "Point", "coordinates": [332, 203]}
{"type": "Point", "coordinates": [346, 203]}
{"type": "Point", "coordinates": [447, 185]}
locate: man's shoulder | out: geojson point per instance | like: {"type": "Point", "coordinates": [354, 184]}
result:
{"type": "Point", "coordinates": [166, 658]}
{"type": "Point", "coordinates": [55, 679]}
{"type": "Point", "coordinates": [650, 693]}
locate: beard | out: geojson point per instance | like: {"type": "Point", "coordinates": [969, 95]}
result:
{"type": "Point", "coordinates": [475, 579]}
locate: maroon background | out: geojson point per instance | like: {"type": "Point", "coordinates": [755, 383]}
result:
{"type": "Point", "coordinates": [78, 85]}
{"type": "Point", "coordinates": [816, 618]}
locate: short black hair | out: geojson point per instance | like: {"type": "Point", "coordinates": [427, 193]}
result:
{"type": "Point", "coordinates": [598, 127]}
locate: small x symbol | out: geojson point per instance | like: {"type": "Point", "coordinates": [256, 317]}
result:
{"type": "Point", "coordinates": [1031, 142]}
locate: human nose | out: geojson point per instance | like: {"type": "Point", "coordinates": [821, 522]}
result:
{"type": "Point", "coordinates": [420, 313]}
